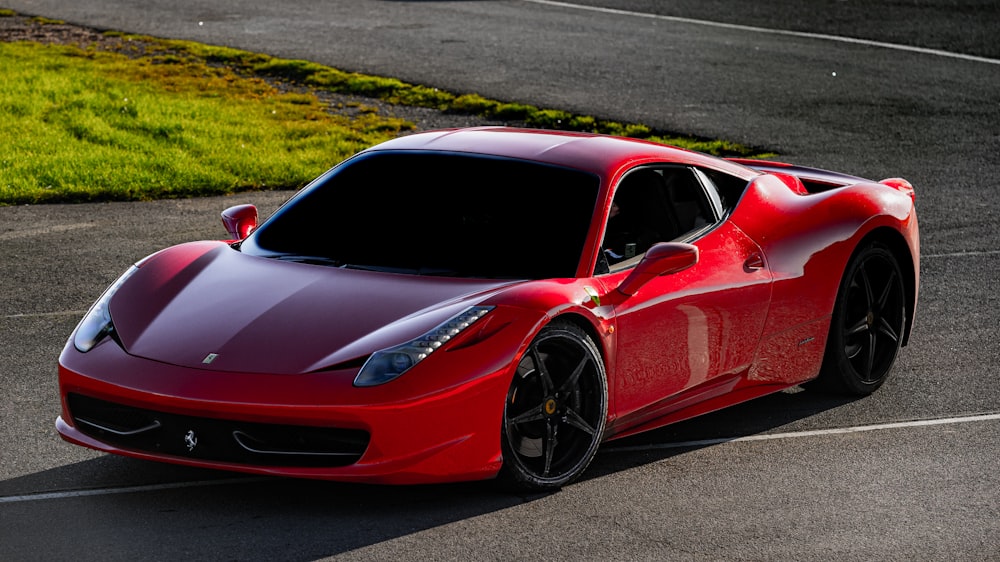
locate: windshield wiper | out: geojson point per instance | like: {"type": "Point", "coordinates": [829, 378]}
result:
{"type": "Point", "coordinates": [380, 268]}
{"type": "Point", "coordinates": [427, 271]}
{"type": "Point", "coordinates": [315, 260]}
{"type": "Point", "coordinates": [423, 271]}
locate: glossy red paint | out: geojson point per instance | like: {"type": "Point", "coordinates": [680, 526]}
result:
{"type": "Point", "coordinates": [902, 185]}
{"type": "Point", "coordinates": [240, 221]}
{"type": "Point", "coordinates": [204, 297]}
{"type": "Point", "coordinates": [662, 259]}
{"type": "Point", "coordinates": [686, 330]}
{"type": "Point", "coordinates": [738, 309]}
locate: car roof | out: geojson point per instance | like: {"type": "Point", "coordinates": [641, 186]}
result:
{"type": "Point", "coordinates": [600, 154]}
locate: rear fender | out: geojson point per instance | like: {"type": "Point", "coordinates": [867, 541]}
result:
{"type": "Point", "coordinates": [808, 240]}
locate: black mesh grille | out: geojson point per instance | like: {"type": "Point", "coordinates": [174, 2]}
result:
{"type": "Point", "coordinates": [215, 439]}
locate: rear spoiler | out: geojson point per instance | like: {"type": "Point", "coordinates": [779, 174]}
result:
{"type": "Point", "coordinates": [815, 180]}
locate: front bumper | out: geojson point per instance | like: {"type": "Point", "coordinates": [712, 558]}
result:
{"type": "Point", "coordinates": [424, 427]}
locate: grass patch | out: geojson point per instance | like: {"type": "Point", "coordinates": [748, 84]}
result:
{"type": "Point", "coordinates": [44, 20]}
{"type": "Point", "coordinates": [86, 125]}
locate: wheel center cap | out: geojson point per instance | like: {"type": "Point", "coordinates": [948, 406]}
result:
{"type": "Point", "coordinates": [871, 318]}
{"type": "Point", "coordinates": [550, 406]}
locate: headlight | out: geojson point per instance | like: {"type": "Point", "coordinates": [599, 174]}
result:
{"type": "Point", "coordinates": [387, 364]}
{"type": "Point", "coordinates": [97, 323]}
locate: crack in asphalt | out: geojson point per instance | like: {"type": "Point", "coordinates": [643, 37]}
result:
{"type": "Point", "coordinates": [46, 314]}
{"type": "Point", "coordinates": [39, 231]}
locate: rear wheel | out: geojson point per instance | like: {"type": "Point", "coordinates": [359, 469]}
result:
{"type": "Point", "coordinates": [555, 411]}
{"type": "Point", "coordinates": [868, 322]}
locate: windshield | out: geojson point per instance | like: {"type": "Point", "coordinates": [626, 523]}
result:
{"type": "Point", "coordinates": [437, 214]}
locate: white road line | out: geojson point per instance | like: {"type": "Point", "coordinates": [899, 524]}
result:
{"type": "Point", "coordinates": [962, 254]}
{"type": "Point", "coordinates": [125, 490]}
{"type": "Point", "coordinates": [755, 29]}
{"type": "Point", "coordinates": [796, 434]}
{"type": "Point", "coordinates": [44, 314]}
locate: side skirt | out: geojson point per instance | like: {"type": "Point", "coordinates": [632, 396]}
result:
{"type": "Point", "coordinates": [709, 397]}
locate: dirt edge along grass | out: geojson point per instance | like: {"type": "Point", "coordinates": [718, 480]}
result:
{"type": "Point", "coordinates": [394, 91]}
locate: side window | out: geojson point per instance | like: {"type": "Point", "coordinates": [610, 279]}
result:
{"type": "Point", "coordinates": [730, 188]}
{"type": "Point", "coordinates": [688, 200]}
{"type": "Point", "coordinates": [653, 205]}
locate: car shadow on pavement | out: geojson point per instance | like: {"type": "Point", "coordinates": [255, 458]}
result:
{"type": "Point", "coordinates": [136, 504]}
{"type": "Point", "coordinates": [795, 409]}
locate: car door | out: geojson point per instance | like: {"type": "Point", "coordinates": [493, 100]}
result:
{"type": "Point", "coordinates": [691, 328]}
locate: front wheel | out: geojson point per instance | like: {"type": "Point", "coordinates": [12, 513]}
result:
{"type": "Point", "coordinates": [555, 411]}
{"type": "Point", "coordinates": [869, 318]}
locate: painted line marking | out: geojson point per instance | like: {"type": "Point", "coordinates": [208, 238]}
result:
{"type": "Point", "coordinates": [811, 433]}
{"type": "Point", "coordinates": [785, 32]}
{"type": "Point", "coordinates": [125, 490]}
{"type": "Point", "coordinates": [44, 314]}
{"type": "Point", "coordinates": [963, 254]}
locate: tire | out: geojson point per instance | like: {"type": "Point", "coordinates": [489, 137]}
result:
{"type": "Point", "coordinates": [555, 410]}
{"type": "Point", "coordinates": [869, 319]}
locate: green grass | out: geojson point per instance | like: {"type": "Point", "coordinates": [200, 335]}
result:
{"type": "Point", "coordinates": [85, 126]}
{"type": "Point", "coordinates": [165, 118]}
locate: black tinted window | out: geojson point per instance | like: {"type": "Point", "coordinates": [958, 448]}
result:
{"type": "Point", "coordinates": [730, 188]}
{"type": "Point", "coordinates": [439, 214]}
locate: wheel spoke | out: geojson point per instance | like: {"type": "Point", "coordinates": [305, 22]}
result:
{"type": "Point", "coordinates": [534, 414]}
{"type": "Point", "coordinates": [883, 299]}
{"type": "Point", "coordinates": [870, 359]}
{"type": "Point", "coordinates": [867, 284]}
{"type": "Point", "coordinates": [543, 372]}
{"type": "Point", "coordinates": [570, 383]}
{"type": "Point", "coordinates": [887, 330]}
{"type": "Point", "coordinates": [576, 420]}
{"type": "Point", "coordinates": [551, 440]}
{"type": "Point", "coordinates": [860, 327]}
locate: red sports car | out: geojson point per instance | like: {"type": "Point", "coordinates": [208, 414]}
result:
{"type": "Point", "coordinates": [470, 304]}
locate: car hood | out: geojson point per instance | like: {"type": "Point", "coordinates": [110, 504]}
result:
{"type": "Point", "coordinates": [205, 305]}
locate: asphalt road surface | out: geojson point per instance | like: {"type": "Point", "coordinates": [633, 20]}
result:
{"type": "Point", "coordinates": [878, 89]}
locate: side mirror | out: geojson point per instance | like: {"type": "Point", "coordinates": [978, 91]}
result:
{"type": "Point", "coordinates": [662, 259]}
{"type": "Point", "coordinates": [240, 221]}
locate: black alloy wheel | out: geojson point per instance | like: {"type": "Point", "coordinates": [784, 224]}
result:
{"type": "Point", "coordinates": [869, 320]}
{"type": "Point", "coordinates": [555, 411]}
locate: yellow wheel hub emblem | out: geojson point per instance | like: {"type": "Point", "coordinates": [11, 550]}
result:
{"type": "Point", "coordinates": [550, 406]}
